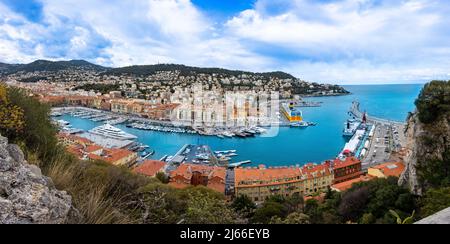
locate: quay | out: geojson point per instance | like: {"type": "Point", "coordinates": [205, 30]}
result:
{"type": "Point", "coordinates": [355, 111]}
{"type": "Point", "coordinates": [387, 136]}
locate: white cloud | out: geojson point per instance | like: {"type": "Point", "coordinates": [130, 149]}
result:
{"type": "Point", "coordinates": [339, 41]}
{"type": "Point", "coordinates": [352, 40]}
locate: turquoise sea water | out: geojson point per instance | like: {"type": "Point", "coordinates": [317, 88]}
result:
{"type": "Point", "coordinates": [292, 145]}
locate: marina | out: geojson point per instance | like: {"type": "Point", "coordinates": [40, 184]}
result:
{"type": "Point", "coordinates": [286, 145]}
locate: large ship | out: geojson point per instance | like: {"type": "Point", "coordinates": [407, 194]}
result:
{"type": "Point", "coordinates": [350, 127]}
{"type": "Point", "coordinates": [293, 114]}
{"type": "Point", "coordinates": [110, 131]}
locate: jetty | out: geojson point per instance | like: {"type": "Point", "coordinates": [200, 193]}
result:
{"type": "Point", "coordinates": [356, 112]}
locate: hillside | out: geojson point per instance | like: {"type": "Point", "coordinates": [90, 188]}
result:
{"type": "Point", "coordinates": [51, 66]}
{"type": "Point", "coordinates": [146, 70]}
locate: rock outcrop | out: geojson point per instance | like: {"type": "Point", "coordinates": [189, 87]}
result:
{"type": "Point", "coordinates": [424, 143]}
{"type": "Point", "coordinates": [27, 196]}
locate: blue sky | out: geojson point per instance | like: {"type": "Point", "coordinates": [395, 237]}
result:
{"type": "Point", "coordinates": [332, 41]}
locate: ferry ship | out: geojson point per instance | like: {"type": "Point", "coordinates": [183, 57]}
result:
{"type": "Point", "coordinates": [110, 131]}
{"type": "Point", "coordinates": [291, 113]}
{"type": "Point", "coordinates": [350, 127]}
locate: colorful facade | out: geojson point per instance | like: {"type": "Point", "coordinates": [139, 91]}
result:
{"type": "Point", "coordinates": [193, 175]}
{"type": "Point", "coordinates": [346, 169]}
{"type": "Point", "coordinates": [261, 183]}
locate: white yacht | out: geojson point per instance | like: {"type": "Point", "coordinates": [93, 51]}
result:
{"type": "Point", "coordinates": [110, 131]}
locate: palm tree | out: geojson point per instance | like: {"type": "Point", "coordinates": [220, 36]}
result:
{"type": "Point", "coordinates": [408, 220]}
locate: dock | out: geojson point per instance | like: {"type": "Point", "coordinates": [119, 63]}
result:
{"type": "Point", "coordinates": [356, 112]}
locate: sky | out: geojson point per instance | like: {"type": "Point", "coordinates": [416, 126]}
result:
{"type": "Point", "coordinates": [327, 41]}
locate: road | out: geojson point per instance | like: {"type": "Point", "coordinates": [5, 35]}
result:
{"type": "Point", "coordinates": [387, 138]}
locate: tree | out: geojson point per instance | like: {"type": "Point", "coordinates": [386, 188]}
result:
{"type": "Point", "coordinates": [353, 203]}
{"type": "Point", "coordinates": [244, 205]}
{"type": "Point", "coordinates": [12, 120]}
{"type": "Point", "coordinates": [38, 133]}
{"type": "Point", "coordinates": [206, 209]}
{"type": "Point", "coordinates": [267, 211]}
{"type": "Point", "coordinates": [293, 218]}
{"type": "Point", "coordinates": [435, 200]}
{"type": "Point", "coordinates": [367, 218]}
{"type": "Point", "coordinates": [408, 220]}
{"type": "Point", "coordinates": [161, 176]}
{"type": "Point", "coordinates": [433, 101]}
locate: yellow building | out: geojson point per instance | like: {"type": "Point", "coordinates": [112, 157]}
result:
{"type": "Point", "coordinates": [317, 178]}
{"type": "Point", "coordinates": [261, 183]}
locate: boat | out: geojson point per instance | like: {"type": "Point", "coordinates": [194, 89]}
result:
{"type": "Point", "coordinates": [228, 134]}
{"type": "Point", "coordinates": [301, 124]}
{"type": "Point", "coordinates": [291, 113]}
{"type": "Point", "coordinates": [56, 114]}
{"type": "Point", "coordinates": [242, 135]}
{"type": "Point", "coordinates": [110, 131]}
{"type": "Point", "coordinates": [350, 127]}
{"type": "Point", "coordinates": [62, 123]}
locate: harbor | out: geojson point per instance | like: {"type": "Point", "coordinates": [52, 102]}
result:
{"type": "Point", "coordinates": [287, 146]}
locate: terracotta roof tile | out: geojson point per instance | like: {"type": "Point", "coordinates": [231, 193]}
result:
{"type": "Point", "coordinates": [150, 167]}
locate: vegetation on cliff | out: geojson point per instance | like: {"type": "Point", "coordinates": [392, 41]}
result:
{"type": "Point", "coordinates": [431, 152]}
{"type": "Point", "coordinates": [98, 87]}
{"type": "Point", "coordinates": [434, 101]}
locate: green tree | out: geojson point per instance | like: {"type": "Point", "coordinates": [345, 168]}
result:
{"type": "Point", "coordinates": [244, 205]}
{"type": "Point", "coordinates": [367, 218]}
{"type": "Point", "coordinates": [12, 120]}
{"type": "Point", "coordinates": [293, 218]}
{"type": "Point", "coordinates": [267, 211]}
{"type": "Point", "coordinates": [407, 220]}
{"type": "Point", "coordinates": [204, 208]}
{"type": "Point", "coordinates": [435, 200]}
{"type": "Point", "coordinates": [433, 101]}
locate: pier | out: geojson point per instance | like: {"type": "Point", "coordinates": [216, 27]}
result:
{"type": "Point", "coordinates": [355, 111]}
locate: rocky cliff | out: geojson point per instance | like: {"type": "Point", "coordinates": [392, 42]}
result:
{"type": "Point", "coordinates": [26, 196]}
{"type": "Point", "coordinates": [425, 143]}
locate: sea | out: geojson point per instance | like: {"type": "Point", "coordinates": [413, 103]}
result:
{"type": "Point", "coordinates": [291, 146]}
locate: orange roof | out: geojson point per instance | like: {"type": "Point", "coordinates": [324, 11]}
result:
{"type": "Point", "coordinates": [93, 148]}
{"type": "Point", "coordinates": [112, 155]}
{"type": "Point", "coordinates": [348, 161]}
{"type": "Point", "coordinates": [314, 170]}
{"type": "Point", "coordinates": [75, 138]}
{"type": "Point", "coordinates": [186, 170]}
{"type": "Point", "coordinates": [343, 186]}
{"type": "Point", "coordinates": [149, 167]}
{"type": "Point", "coordinates": [75, 150]}
{"type": "Point", "coordinates": [319, 198]}
{"type": "Point", "coordinates": [391, 169]}
{"type": "Point", "coordinates": [216, 176]}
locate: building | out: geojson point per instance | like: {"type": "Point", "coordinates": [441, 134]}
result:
{"type": "Point", "coordinates": [344, 186]}
{"type": "Point", "coordinates": [118, 157]}
{"type": "Point", "coordinates": [346, 169]}
{"type": "Point", "coordinates": [317, 177]}
{"type": "Point", "coordinates": [150, 168]}
{"type": "Point", "coordinates": [193, 175]}
{"type": "Point", "coordinates": [261, 183]}
{"type": "Point", "coordinates": [86, 149]}
{"type": "Point", "coordinates": [68, 139]}
{"type": "Point", "coordinates": [387, 169]}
